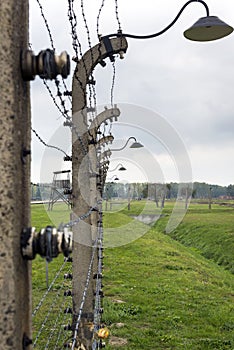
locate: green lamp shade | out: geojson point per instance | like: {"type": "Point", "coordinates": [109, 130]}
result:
{"type": "Point", "coordinates": [207, 29]}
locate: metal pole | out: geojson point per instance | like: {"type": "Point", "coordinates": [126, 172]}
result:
{"type": "Point", "coordinates": [15, 122]}
{"type": "Point", "coordinates": [210, 197]}
{"type": "Point", "coordinates": [82, 235]}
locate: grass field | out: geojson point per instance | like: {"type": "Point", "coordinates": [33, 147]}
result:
{"type": "Point", "coordinates": [160, 293]}
{"type": "Point", "coordinates": [210, 231]}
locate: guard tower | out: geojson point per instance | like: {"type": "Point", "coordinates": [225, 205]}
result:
{"type": "Point", "coordinates": [60, 189]}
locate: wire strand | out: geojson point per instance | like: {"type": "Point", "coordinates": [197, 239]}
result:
{"type": "Point", "coordinates": [98, 17]}
{"type": "Point", "coordinates": [117, 15]}
{"type": "Point", "coordinates": [47, 145]}
{"type": "Point", "coordinates": [77, 324]}
{"type": "Point", "coordinates": [48, 290]}
{"type": "Point", "coordinates": [46, 24]}
{"type": "Point", "coordinates": [52, 43]}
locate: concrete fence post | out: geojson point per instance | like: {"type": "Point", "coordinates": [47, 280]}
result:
{"type": "Point", "coordinates": [15, 122]}
{"type": "Point", "coordinates": [81, 182]}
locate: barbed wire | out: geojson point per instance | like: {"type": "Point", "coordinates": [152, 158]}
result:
{"type": "Point", "coordinates": [73, 22]}
{"type": "Point", "coordinates": [55, 324]}
{"type": "Point", "coordinates": [76, 46]}
{"type": "Point", "coordinates": [62, 329]}
{"type": "Point", "coordinates": [90, 95]}
{"type": "Point", "coordinates": [113, 84]}
{"type": "Point", "coordinates": [46, 144]}
{"type": "Point", "coordinates": [59, 94]}
{"type": "Point", "coordinates": [92, 91]}
{"type": "Point", "coordinates": [54, 100]}
{"type": "Point", "coordinates": [98, 291]}
{"type": "Point", "coordinates": [112, 92]}
{"type": "Point", "coordinates": [48, 290]}
{"type": "Point", "coordinates": [82, 217]}
{"type": "Point", "coordinates": [117, 15]}
{"type": "Point", "coordinates": [49, 325]}
{"type": "Point", "coordinates": [46, 24]}
{"type": "Point", "coordinates": [98, 17]}
{"type": "Point", "coordinates": [77, 323]}
{"type": "Point", "coordinates": [85, 22]}
{"type": "Point", "coordinates": [97, 243]}
{"type": "Point", "coordinates": [47, 316]}
{"type": "Point", "coordinates": [59, 336]}
{"type": "Point", "coordinates": [113, 63]}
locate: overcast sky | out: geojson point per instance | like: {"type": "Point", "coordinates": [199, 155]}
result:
{"type": "Point", "coordinates": [179, 92]}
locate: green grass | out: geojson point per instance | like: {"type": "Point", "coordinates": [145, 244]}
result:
{"type": "Point", "coordinates": [50, 315]}
{"type": "Point", "coordinates": [172, 296]}
{"type": "Point", "coordinates": [210, 231]}
{"type": "Point", "coordinates": [55, 298]}
{"type": "Point", "coordinates": [41, 217]}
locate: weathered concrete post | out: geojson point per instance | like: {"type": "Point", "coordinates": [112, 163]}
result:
{"type": "Point", "coordinates": [82, 235]}
{"type": "Point", "coordinates": [96, 190]}
{"type": "Point", "coordinates": [15, 284]}
{"type": "Point", "coordinates": [95, 193]}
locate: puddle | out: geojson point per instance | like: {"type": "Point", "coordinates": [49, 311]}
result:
{"type": "Point", "coordinates": [147, 218]}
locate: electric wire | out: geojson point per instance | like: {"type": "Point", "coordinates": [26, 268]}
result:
{"type": "Point", "coordinates": [113, 63]}
{"type": "Point", "coordinates": [85, 23]}
{"type": "Point", "coordinates": [92, 92]}
{"type": "Point", "coordinates": [98, 17]}
{"type": "Point", "coordinates": [52, 45]}
{"type": "Point", "coordinates": [113, 84]}
{"type": "Point", "coordinates": [77, 323]}
{"type": "Point", "coordinates": [48, 290]}
{"type": "Point", "coordinates": [55, 324]}
{"type": "Point", "coordinates": [63, 113]}
{"type": "Point", "coordinates": [117, 15]}
{"type": "Point", "coordinates": [50, 326]}
{"type": "Point", "coordinates": [53, 304]}
{"type": "Point", "coordinates": [154, 35]}
{"type": "Point", "coordinates": [73, 23]}
{"type": "Point", "coordinates": [98, 291]}
{"type": "Point", "coordinates": [46, 24]}
{"type": "Point", "coordinates": [57, 328]}
{"type": "Point", "coordinates": [92, 98]}
{"type": "Point", "coordinates": [46, 144]}
{"type": "Point", "coordinates": [82, 217]}
{"type": "Point", "coordinates": [62, 330]}
{"type": "Point", "coordinates": [76, 45]}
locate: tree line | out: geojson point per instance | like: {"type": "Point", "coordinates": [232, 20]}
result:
{"type": "Point", "coordinates": [154, 191]}
{"type": "Point", "coordinates": [199, 190]}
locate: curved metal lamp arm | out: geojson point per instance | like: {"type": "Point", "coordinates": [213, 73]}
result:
{"type": "Point", "coordinates": [116, 167]}
{"type": "Point", "coordinates": [120, 149]}
{"type": "Point", "coordinates": [120, 34]}
{"type": "Point", "coordinates": [112, 178]}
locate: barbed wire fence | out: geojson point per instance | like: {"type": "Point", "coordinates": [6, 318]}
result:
{"type": "Point", "coordinates": [50, 331]}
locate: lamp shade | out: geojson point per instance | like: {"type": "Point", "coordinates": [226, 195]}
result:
{"type": "Point", "coordinates": [136, 145]}
{"type": "Point", "coordinates": [207, 29]}
{"type": "Point", "coordinates": [122, 168]}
